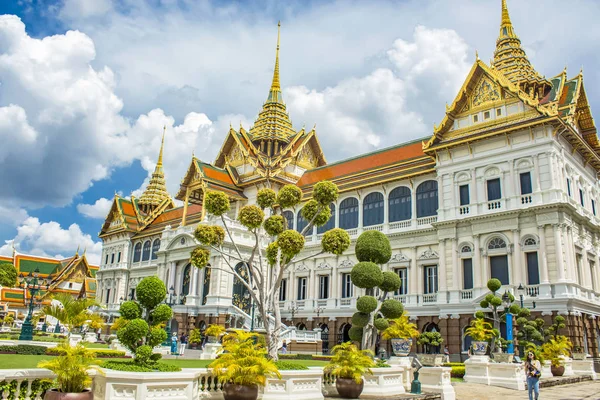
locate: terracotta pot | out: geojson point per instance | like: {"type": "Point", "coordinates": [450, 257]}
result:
{"type": "Point", "coordinates": [557, 371]}
{"type": "Point", "coordinates": [348, 388]}
{"type": "Point", "coordinates": [401, 347]}
{"type": "Point", "coordinates": [54, 394]}
{"type": "Point", "coordinates": [239, 392]}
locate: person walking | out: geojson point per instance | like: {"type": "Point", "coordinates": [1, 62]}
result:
{"type": "Point", "coordinates": [174, 343]}
{"type": "Point", "coordinates": [447, 354]}
{"type": "Point", "coordinates": [182, 343]}
{"type": "Point", "coordinates": [284, 348]}
{"type": "Point", "coordinates": [533, 369]}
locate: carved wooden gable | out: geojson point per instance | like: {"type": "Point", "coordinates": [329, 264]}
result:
{"type": "Point", "coordinates": [306, 157]}
{"type": "Point", "coordinates": [485, 91]}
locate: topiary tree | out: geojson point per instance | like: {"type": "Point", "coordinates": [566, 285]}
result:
{"type": "Point", "coordinates": [262, 270]}
{"type": "Point", "coordinates": [495, 309]}
{"type": "Point", "coordinates": [373, 248]}
{"type": "Point", "coordinates": [142, 319]}
{"type": "Point", "coordinates": [8, 275]}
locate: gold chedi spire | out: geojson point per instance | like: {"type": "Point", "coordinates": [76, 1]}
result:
{"type": "Point", "coordinates": [156, 191]}
{"type": "Point", "coordinates": [511, 59]}
{"type": "Point", "coordinates": [273, 127]}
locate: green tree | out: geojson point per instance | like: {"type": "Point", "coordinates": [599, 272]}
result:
{"type": "Point", "coordinates": [263, 270]}
{"type": "Point", "coordinates": [373, 312]}
{"type": "Point", "coordinates": [9, 319]}
{"type": "Point", "coordinates": [8, 275]}
{"type": "Point", "coordinates": [142, 319]}
{"type": "Point", "coordinates": [70, 311]}
{"type": "Point", "coordinates": [496, 311]}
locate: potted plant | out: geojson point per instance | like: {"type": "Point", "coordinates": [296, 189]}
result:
{"type": "Point", "coordinates": [554, 350]}
{"type": "Point", "coordinates": [71, 370]}
{"type": "Point", "coordinates": [400, 333]}
{"type": "Point", "coordinates": [214, 332]}
{"type": "Point", "coordinates": [481, 332]}
{"type": "Point", "coordinates": [431, 342]}
{"type": "Point", "coordinates": [578, 353]}
{"type": "Point", "coordinates": [348, 364]}
{"type": "Point", "coordinates": [243, 366]}
{"type": "Point", "coordinates": [502, 356]}
{"type": "Point", "coordinates": [195, 338]}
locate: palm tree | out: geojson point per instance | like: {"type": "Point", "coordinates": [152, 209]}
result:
{"type": "Point", "coordinates": [69, 311]}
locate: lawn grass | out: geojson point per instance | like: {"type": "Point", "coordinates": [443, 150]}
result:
{"type": "Point", "coordinates": [14, 361]}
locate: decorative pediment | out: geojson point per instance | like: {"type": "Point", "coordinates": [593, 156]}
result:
{"type": "Point", "coordinates": [486, 91]}
{"type": "Point", "coordinates": [346, 264]}
{"type": "Point", "coordinates": [323, 265]}
{"type": "Point", "coordinates": [399, 257]}
{"type": "Point", "coordinates": [301, 267]}
{"type": "Point", "coordinates": [428, 255]}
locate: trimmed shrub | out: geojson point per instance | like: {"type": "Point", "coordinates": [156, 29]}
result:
{"type": "Point", "coordinates": [289, 366]}
{"type": "Point", "coordinates": [373, 246]}
{"type": "Point", "coordinates": [366, 275]}
{"type": "Point", "coordinates": [24, 349]}
{"type": "Point", "coordinates": [161, 313]}
{"type": "Point", "coordinates": [130, 310]}
{"type": "Point", "coordinates": [131, 366]}
{"type": "Point", "coordinates": [360, 320]}
{"type": "Point", "coordinates": [494, 284]}
{"type": "Point", "coordinates": [335, 241]}
{"type": "Point", "coordinates": [381, 324]}
{"type": "Point", "coordinates": [311, 210]}
{"type": "Point", "coordinates": [199, 257]}
{"type": "Point", "coordinates": [392, 309]}
{"type": "Point", "coordinates": [210, 235]}
{"type": "Point", "coordinates": [275, 224]}
{"type": "Point", "coordinates": [391, 282]}
{"type": "Point", "coordinates": [216, 203]}
{"type": "Point", "coordinates": [266, 198]}
{"type": "Point", "coordinates": [271, 252]}
{"type": "Point", "coordinates": [251, 216]}
{"type": "Point", "coordinates": [290, 242]}
{"type": "Point", "coordinates": [355, 334]}
{"type": "Point", "coordinates": [150, 292]}
{"type": "Point", "coordinates": [289, 196]}
{"type": "Point", "coordinates": [366, 304]}
{"type": "Point", "coordinates": [325, 192]}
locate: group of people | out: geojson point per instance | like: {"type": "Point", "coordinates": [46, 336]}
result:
{"type": "Point", "coordinates": [178, 344]}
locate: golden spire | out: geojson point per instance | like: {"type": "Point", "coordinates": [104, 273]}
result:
{"type": "Point", "coordinates": [156, 191]}
{"type": "Point", "coordinates": [509, 56]}
{"type": "Point", "coordinates": [273, 122]}
{"type": "Point", "coordinates": [275, 91]}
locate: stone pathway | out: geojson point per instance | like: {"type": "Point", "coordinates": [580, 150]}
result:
{"type": "Point", "coordinates": [580, 391]}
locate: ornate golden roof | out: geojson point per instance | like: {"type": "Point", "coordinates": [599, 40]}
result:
{"type": "Point", "coordinates": [156, 192]}
{"type": "Point", "coordinates": [273, 122]}
{"type": "Point", "coordinates": [510, 58]}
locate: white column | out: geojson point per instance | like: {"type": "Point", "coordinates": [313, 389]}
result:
{"type": "Point", "coordinates": [334, 281]}
{"type": "Point", "coordinates": [441, 205]}
{"type": "Point", "coordinates": [543, 261]}
{"type": "Point", "coordinates": [473, 189]}
{"type": "Point", "coordinates": [118, 294]}
{"type": "Point", "coordinates": [456, 272]}
{"type": "Point", "coordinates": [443, 284]}
{"type": "Point", "coordinates": [536, 169]}
{"type": "Point", "coordinates": [172, 267]}
{"type": "Point", "coordinates": [518, 274]}
{"type": "Point", "coordinates": [571, 261]}
{"type": "Point", "coordinates": [413, 206]}
{"type": "Point", "coordinates": [385, 210]}
{"type": "Point", "coordinates": [560, 263]}
{"type": "Point", "coordinates": [194, 280]}
{"type": "Point", "coordinates": [360, 214]}
{"type": "Point", "coordinates": [454, 201]}
{"type": "Point", "coordinates": [477, 265]}
{"type": "Point", "coordinates": [586, 273]}
{"type": "Point", "coordinates": [512, 185]}
{"type": "Point", "coordinates": [412, 273]}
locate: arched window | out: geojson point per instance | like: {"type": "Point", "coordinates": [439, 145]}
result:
{"type": "Point", "coordinates": [496, 244]}
{"type": "Point", "coordinates": [466, 249]}
{"type": "Point", "coordinates": [289, 217]}
{"type": "Point", "coordinates": [349, 213]}
{"type": "Point", "coordinates": [301, 223]}
{"type": "Point", "coordinates": [206, 285]}
{"type": "Point", "coordinates": [137, 252]}
{"type": "Point", "coordinates": [146, 251]}
{"type": "Point", "coordinates": [530, 242]}
{"type": "Point", "coordinates": [241, 295]}
{"type": "Point", "coordinates": [373, 209]}
{"type": "Point", "coordinates": [331, 223]}
{"type": "Point", "coordinates": [400, 204]}
{"type": "Point", "coordinates": [466, 340]}
{"type": "Point", "coordinates": [155, 247]}
{"type": "Point", "coordinates": [427, 199]}
{"type": "Point", "coordinates": [185, 288]}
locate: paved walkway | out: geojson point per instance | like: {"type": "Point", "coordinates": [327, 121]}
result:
{"type": "Point", "coordinates": [579, 391]}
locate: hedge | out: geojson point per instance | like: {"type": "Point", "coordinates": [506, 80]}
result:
{"type": "Point", "coordinates": [25, 349]}
{"type": "Point", "coordinates": [458, 369]}
{"type": "Point", "coordinates": [131, 366]}
{"type": "Point", "coordinates": [289, 366]}
{"type": "Point", "coordinates": [100, 353]}
{"type": "Point", "coordinates": [315, 357]}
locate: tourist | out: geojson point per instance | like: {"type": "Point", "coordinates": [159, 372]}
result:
{"type": "Point", "coordinates": [533, 371]}
{"type": "Point", "coordinates": [182, 343]}
{"type": "Point", "coordinates": [174, 343]}
{"type": "Point", "coordinates": [284, 348]}
{"type": "Point", "coordinates": [447, 354]}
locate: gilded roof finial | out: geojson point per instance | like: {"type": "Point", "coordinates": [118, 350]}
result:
{"type": "Point", "coordinates": [162, 145]}
{"type": "Point", "coordinates": [476, 54]}
{"type": "Point", "coordinates": [77, 252]}
{"type": "Point", "coordinates": [156, 191]}
{"type": "Point", "coordinates": [506, 23]}
{"type": "Point", "coordinates": [275, 91]}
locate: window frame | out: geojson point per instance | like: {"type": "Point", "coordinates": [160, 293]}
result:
{"type": "Point", "coordinates": [466, 194]}
{"type": "Point", "coordinates": [347, 287]}
{"type": "Point", "coordinates": [488, 189]}
{"type": "Point", "coordinates": [430, 279]}
{"type": "Point", "coordinates": [302, 288]}
{"type": "Point", "coordinates": [400, 204]}
{"type": "Point", "coordinates": [323, 287]}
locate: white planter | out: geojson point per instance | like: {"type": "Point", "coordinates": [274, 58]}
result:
{"type": "Point", "coordinates": [546, 372]}
{"type": "Point", "coordinates": [385, 382]}
{"type": "Point", "coordinates": [476, 370]}
{"type": "Point", "coordinates": [584, 367]}
{"type": "Point", "coordinates": [579, 356]}
{"type": "Point", "coordinates": [431, 360]}
{"type": "Point", "coordinates": [437, 380]}
{"type": "Point", "coordinates": [401, 347]}
{"type": "Point", "coordinates": [479, 348]}
{"type": "Point", "coordinates": [507, 375]}
{"type": "Point", "coordinates": [211, 350]}
{"type": "Point", "coordinates": [295, 385]}
{"type": "Point", "coordinates": [75, 338]}
{"type": "Point", "coordinates": [405, 363]}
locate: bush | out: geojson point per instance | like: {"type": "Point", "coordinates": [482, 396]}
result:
{"type": "Point", "coordinates": [494, 284]}
{"type": "Point", "coordinates": [271, 252]}
{"type": "Point", "coordinates": [289, 196]}
{"type": "Point", "coordinates": [457, 372]}
{"type": "Point", "coordinates": [392, 309]}
{"type": "Point", "coordinates": [100, 353]}
{"type": "Point", "coordinates": [335, 241]}
{"type": "Point", "coordinates": [161, 313]}
{"type": "Point", "coordinates": [210, 235]}
{"type": "Point", "coordinates": [381, 324]}
{"type": "Point", "coordinates": [251, 216]}
{"type": "Point", "coordinates": [366, 275]}
{"type": "Point", "coordinates": [391, 282]}
{"type": "Point", "coordinates": [360, 320]}
{"type": "Point", "coordinates": [199, 257]}
{"type": "Point", "coordinates": [355, 334]}
{"type": "Point", "coordinates": [289, 366]}
{"type": "Point", "coordinates": [366, 304]}
{"type": "Point", "coordinates": [150, 292]}
{"type": "Point", "coordinates": [275, 224]}
{"type": "Point", "coordinates": [290, 242]}
{"type": "Point", "coordinates": [325, 192]}
{"type": "Point", "coordinates": [25, 349]}
{"type": "Point", "coordinates": [311, 210]}
{"type": "Point", "coordinates": [131, 366]}
{"type": "Point", "coordinates": [373, 246]}
{"type": "Point", "coordinates": [216, 203]}
{"type": "Point", "coordinates": [130, 310]}
{"type": "Point", "coordinates": [266, 198]}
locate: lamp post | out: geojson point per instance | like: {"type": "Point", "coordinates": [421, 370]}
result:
{"type": "Point", "coordinates": [32, 285]}
{"type": "Point", "coordinates": [253, 305]}
{"type": "Point", "coordinates": [170, 300]}
{"type": "Point", "coordinates": [319, 310]}
{"type": "Point", "coordinates": [293, 308]}
{"type": "Point", "coordinates": [521, 291]}
{"type": "Point", "coordinates": [509, 322]}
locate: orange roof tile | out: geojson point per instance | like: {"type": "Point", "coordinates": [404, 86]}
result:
{"type": "Point", "coordinates": [127, 208]}
{"type": "Point", "coordinates": [176, 213]}
{"type": "Point", "coordinates": [363, 163]}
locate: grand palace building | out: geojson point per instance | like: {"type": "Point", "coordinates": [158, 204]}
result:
{"type": "Point", "coordinates": [506, 187]}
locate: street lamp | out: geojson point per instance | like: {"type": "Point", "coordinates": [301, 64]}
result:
{"type": "Point", "coordinates": [521, 291]}
{"type": "Point", "coordinates": [32, 285]}
{"type": "Point", "coordinates": [248, 297]}
{"type": "Point", "coordinates": [170, 300]}
{"type": "Point", "coordinates": [293, 308]}
{"type": "Point", "coordinates": [509, 322]}
{"type": "Point", "coordinates": [319, 310]}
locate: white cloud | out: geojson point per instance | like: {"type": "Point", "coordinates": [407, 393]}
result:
{"type": "Point", "coordinates": [12, 215]}
{"type": "Point", "coordinates": [97, 210]}
{"type": "Point", "coordinates": [81, 9]}
{"type": "Point", "coordinates": [50, 239]}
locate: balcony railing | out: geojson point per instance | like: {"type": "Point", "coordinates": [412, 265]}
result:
{"type": "Point", "coordinates": [426, 220]}
{"type": "Point", "coordinates": [526, 199]}
{"type": "Point", "coordinates": [533, 291]}
{"type": "Point", "coordinates": [400, 224]}
{"type": "Point", "coordinates": [346, 302]}
{"type": "Point", "coordinates": [373, 228]}
{"type": "Point", "coordinates": [464, 210]}
{"type": "Point", "coordinates": [466, 294]}
{"type": "Point", "coordinates": [429, 298]}
{"type": "Point", "coordinates": [494, 205]}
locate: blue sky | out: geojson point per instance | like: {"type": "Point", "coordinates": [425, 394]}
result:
{"type": "Point", "coordinates": [87, 85]}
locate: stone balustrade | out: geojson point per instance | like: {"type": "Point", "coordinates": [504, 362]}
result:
{"type": "Point", "coordinates": [295, 385]}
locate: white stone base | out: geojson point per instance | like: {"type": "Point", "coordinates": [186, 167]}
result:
{"type": "Point", "coordinates": [437, 380]}
{"type": "Point", "coordinates": [584, 367]}
{"type": "Point", "coordinates": [385, 382]}
{"type": "Point", "coordinates": [91, 337]}
{"type": "Point", "coordinates": [508, 375]}
{"type": "Point", "coordinates": [210, 351]}
{"type": "Point", "coordinates": [568, 363]}
{"type": "Point", "coordinates": [116, 345]}
{"type": "Point", "coordinates": [74, 339]}
{"type": "Point", "coordinates": [404, 362]}
{"type": "Point", "coordinates": [476, 370]}
{"type": "Point", "coordinates": [295, 385]}
{"type": "Point", "coordinates": [546, 371]}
